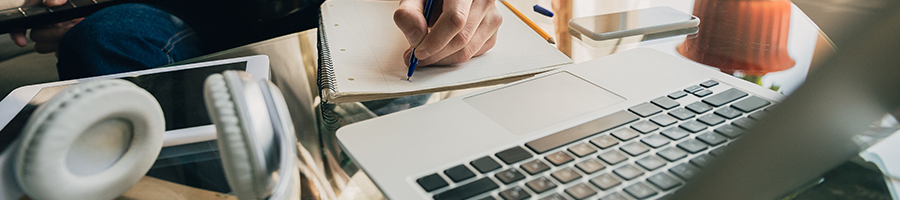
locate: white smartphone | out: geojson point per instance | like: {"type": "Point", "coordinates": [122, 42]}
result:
{"type": "Point", "coordinates": [634, 22]}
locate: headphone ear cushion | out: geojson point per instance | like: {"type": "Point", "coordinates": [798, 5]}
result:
{"type": "Point", "coordinates": [91, 141]}
{"type": "Point", "coordinates": [236, 149]}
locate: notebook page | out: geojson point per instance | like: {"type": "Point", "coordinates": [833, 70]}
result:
{"type": "Point", "coordinates": [367, 48]}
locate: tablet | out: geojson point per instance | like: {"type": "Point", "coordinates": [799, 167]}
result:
{"type": "Point", "coordinates": [178, 89]}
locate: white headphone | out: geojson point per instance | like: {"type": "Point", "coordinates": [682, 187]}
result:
{"type": "Point", "coordinates": [91, 141]}
{"type": "Point", "coordinates": [256, 135]}
{"type": "Point", "coordinates": [95, 140]}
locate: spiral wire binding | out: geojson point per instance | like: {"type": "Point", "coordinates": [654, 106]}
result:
{"type": "Point", "coordinates": [326, 79]}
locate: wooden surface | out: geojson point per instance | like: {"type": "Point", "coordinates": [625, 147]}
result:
{"type": "Point", "coordinates": [153, 188]}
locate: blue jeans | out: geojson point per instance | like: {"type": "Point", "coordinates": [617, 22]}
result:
{"type": "Point", "coordinates": [124, 38]}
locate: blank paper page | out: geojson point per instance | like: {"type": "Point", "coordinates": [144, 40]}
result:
{"type": "Point", "coordinates": [367, 51]}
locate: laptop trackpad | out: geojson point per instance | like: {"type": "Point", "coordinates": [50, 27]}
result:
{"type": "Point", "coordinates": [535, 104]}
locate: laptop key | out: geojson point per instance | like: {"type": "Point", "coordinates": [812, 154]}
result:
{"type": "Point", "coordinates": [693, 89]}
{"type": "Point", "coordinates": [513, 155]}
{"type": "Point", "coordinates": [635, 148]}
{"type": "Point", "coordinates": [750, 104]}
{"type": "Point", "coordinates": [459, 173]}
{"type": "Point", "coordinates": [693, 126]}
{"type": "Point", "coordinates": [613, 157]}
{"type": "Point", "coordinates": [431, 182]}
{"type": "Point", "coordinates": [672, 154]}
{"type": "Point", "coordinates": [604, 141]}
{"type": "Point", "coordinates": [712, 139]}
{"type": "Point", "coordinates": [485, 164]}
{"type": "Point", "coordinates": [554, 196]}
{"type": "Point", "coordinates": [675, 133]}
{"type": "Point", "coordinates": [681, 113]}
{"type": "Point", "coordinates": [665, 103]}
{"type": "Point", "coordinates": [655, 140]}
{"type": "Point", "coordinates": [580, 191]}
{"type": "Point", "coordinates": [698, 107]}
{"type": "Point", "coordinates": [677, 94]}
{"type": "Point", "coordinates": [559, 158]}
{"type": "Point", "coordinates": [628, 172]}
{"type": "Point", "coordinates": [605, 181]}
{"type": "Point", "coordinates": [718, 151]}
{"type": "Point", "coordinates": [725, 97]}
{"type": "Point", "coordinates": [565, 175]}
{"type": "Point", "coordinates": [468, 190]}
{"type": "Point", "coordinates": [709, 83]}
{"type": "Point", "coordinates": [664, 181]}
{"type": "Point", "coordinates": [514, 193]}
{"type": "Point", "coordinates": [535, 166]}
{"type": "Point", "coordinates": [711, 119]}
{"type": "Point", "coordinates": [590, 166]}
{"type": "Point", "coordinates": [640, 191]}
{"type": "Point", "coordinates": [685, 171]}
{"type": "Point", "coordinates": [540, 185]}
{"type": "Point", "coordinates": [702, 161]}
{"type": "Point", "coordinates": [585, 130]}
{"type": "Point", "coordinates": [582, 150]}
{"type": "Point", "coordinates": [488, 198]}
{"type": "Point", "coordinates": [730, 131]}
{"type": "Point", "coordinates": [508, 176]}
{"type": "Point", "coordinates": [651, 162]}
{"type": "Point", "coordinates": [703, 93]}
{"type": "Point", "coordinates": [758, 115]}
{"type": "Point", "coordinates": [664, 120]}
{"type": "Point", "coordinates": [744, 123]}
{"type": "Point", "coordinates": [729, 113]}
{"type": "Point", "coordinates": [645, 109]}
{"type": "Point", "coordinates": [692, 146]}
{"type": "Point", "coordinates": [625, 134]}
{"type": "Point", "coordinates": [613, 196]}
{"type": "Point", "coordinates": [645, 126]}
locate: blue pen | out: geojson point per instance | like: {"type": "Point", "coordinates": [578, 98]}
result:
{"type": "Point", "coordinates": [543, 11]}
{"type": "Point", "coordinates": [413, 61]}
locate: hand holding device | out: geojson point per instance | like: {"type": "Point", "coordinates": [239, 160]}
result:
{"type": "Point", "coordinates": [461, 29]}
{"type": "Point", "coordinates": [60, 14]}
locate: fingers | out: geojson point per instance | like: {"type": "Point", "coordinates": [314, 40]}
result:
{"type": "Point", "coordinates": [452, 20]}
{"type": "Point", "coordinates": [410, 20]}
{"type": "Point", "coordinates": [54, 32]}
{"type": "Point", "coordinates": [470, 51]}
{"type": "Point", "coordinates": [18, 37]}
{"type": "Point", "coordinates": [471, 33]}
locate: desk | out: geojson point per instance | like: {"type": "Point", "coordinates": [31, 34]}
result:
{"type": "Point", "coordinates": [293, 62]}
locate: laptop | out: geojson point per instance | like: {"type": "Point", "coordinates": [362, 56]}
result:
{"type": "Point", "coordinates": [633, 125]}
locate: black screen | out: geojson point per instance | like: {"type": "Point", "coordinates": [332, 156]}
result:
{"type": "Point", "coordinates": [179, 93]}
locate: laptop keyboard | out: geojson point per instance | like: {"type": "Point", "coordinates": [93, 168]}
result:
{"type": "Point", "coordinates": [644, 152]}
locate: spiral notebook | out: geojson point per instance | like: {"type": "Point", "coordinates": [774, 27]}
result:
{"type": "Point", "coordinates": [360, 55]}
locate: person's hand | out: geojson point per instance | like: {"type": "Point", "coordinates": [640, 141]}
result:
{"type": "Point", "coordinates": [46, 38]}
{"type": "Point", "coordinates": [463, 29]}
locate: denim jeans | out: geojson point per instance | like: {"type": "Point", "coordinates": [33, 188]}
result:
{"type": "Point", "coordinates": [124, 38]}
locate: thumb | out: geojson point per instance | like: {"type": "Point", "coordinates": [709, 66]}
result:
{"type": "Point", "coordinates": [18, 38]}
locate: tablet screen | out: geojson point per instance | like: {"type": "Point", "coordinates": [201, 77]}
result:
{"type": "Point", "coordinates": [179, 93]}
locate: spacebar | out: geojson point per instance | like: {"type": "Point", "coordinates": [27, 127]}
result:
{"type": "Point", "coordinates": [469, 190]}
{"type": "Point", "coordinates": [570, 135]}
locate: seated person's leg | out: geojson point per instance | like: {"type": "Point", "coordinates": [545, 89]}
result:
{"type": "Point", "coordinates": [124, 38]}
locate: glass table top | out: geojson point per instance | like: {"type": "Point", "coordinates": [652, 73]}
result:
{"type": "Point", "coordinates": [771, 43]}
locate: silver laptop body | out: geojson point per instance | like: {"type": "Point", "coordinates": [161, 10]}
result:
{"type": "Point", "coordinates": [597, 103]}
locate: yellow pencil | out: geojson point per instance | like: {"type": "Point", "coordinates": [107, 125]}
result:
{"type": "Point", "coordinates": [530, 23]}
